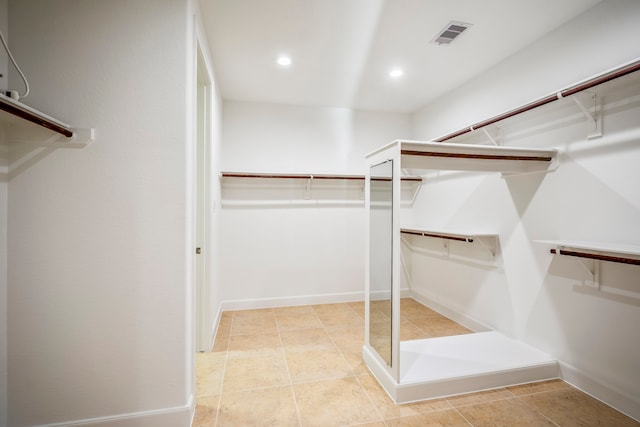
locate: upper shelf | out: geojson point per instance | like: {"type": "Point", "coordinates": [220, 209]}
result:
{"type": "Point", "coordinates": [620, 253]}
{"type": "Point", "coordinates": [12, 109]}
{"type": "Point", "coordinates": [447, 156]}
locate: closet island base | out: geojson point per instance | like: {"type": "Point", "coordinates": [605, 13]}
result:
{"type": "Point", "coordinates": [445, 366]}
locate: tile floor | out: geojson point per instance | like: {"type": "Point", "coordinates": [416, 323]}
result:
{"type": "Point", "coordinates": [302, 366]}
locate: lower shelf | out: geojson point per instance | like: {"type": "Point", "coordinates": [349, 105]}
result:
{"type": "Point", "coordinates": [446, 366]}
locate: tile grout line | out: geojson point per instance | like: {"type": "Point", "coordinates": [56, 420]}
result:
{"type": "Point", "coordinates": [224, 369]}
{"type": "Point", "coordinates": [286, 364]}
{"type": "Point", "coordinates": [536, 409]}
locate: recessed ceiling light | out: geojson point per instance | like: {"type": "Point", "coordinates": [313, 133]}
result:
{"type": "Point", "coordinates": [284, 61]}
{"type": "Point", "coordinates": [395, 73]}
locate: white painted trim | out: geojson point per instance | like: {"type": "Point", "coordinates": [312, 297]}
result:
{"type": "Point", "coordinates": [617, 399]}
{"type": "Point", "coordinates": [175, 416]}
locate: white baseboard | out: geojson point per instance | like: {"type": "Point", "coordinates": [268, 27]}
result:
{"type": "Point", "coordinates": [290, 301]}
{"type": "Point", "coordinates": [617, 399]}
{"type": "Point", "coordinates": [249, 304]}
{"type": "Point", "coordinates": [179, 416]}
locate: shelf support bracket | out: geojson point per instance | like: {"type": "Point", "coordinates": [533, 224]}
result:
{"type": "Point", "coordinates": [492, 139]}
{"type": "Point", "coordinates": [594, 121]}
{"type": "Point", "coordinates": [307, 190]}
{"type": "Point", "coordinates": [489, 244]}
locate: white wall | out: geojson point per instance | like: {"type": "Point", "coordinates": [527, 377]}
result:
{"type": "Point", "coordinates": [3, 234]}
{"type": "Point", "coordinates": [592, 196]}
{"type": "Point", "coordinates": [603, 37]}
{"type": "Point", "coordinates": [273, 254]}
{"type": "Point", "coordinates": [4, 58]}
{"type": "Point", "coordinates": [3, 276]}
{"type": "Point", "coordinates": [99, 245]}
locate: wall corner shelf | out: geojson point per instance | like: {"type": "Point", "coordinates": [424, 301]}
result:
{"type": "Point", "coordinates": [26, 125]}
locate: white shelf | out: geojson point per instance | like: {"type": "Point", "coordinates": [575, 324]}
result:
{"type": "Point", "coordinates": [28, 125]}
{"type": "Point", "coordinates": [462, 236]}
{"type": "Point", "coordinates": [603, 251]}
{"type": "Point", "coordinates": [447, 156]}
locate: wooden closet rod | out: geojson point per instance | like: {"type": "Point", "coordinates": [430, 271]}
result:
{"type": "Point", "coordinates": [25, 113]}
{"type": "Point", "coordinates": [622, 260]}
{"type": "Point", "coordinates": [441, 236]}
{"type": "Point", "coordinates": [475, 156]}
{"type": "Point", "coordinates": [602, 78]}
{"type": "Point", "coordinates": [303, 176]}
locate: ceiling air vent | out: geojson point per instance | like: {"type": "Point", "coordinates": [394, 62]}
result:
{"type": "Point", "coordinates": [450, 32]}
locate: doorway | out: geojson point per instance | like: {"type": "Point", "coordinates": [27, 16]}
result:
{"type": "Point", "coordinates": [203, 138]}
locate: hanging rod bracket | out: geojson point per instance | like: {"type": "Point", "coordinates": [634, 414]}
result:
{"type": "Point", "coordinates": [594, 120]}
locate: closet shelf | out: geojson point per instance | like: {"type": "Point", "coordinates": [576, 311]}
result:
{"type": "Point", "coordinates": [448, 156]}
{"type": "Point", "coordinates": [619, 253]}
{"type": "Point", "coordinates": [442, 234]}
{"type": "Point", "coordinates": [24, 119]}
{"type": "Point", "coordinates": [488, 241]}
{"type": "Point", "coordinates": [303, 176]}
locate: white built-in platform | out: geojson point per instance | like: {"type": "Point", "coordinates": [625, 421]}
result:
{"type": "Point", "coordinates": [445, 366]}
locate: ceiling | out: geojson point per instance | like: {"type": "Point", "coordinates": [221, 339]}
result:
{"type": "Point", "coordinates": [343, 50]}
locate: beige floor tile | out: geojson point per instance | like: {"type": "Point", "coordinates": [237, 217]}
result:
{"type": "Point", "coordinates": [297, 321]}
{"type": "Point", "coordinates": [264, 407]}
{"type": "Point", "coordinates": [254, 345]}
{"type": "Point", "coordinates": [479, 397]}
{"type": "Point", "coordinates": [442, 327]}
{"type": "Point", "coordinates": [206, 410]}
{"type": "Point", "coordinates": [383, 305]}
{"type": "Point", "coordinates": [259, 351]}
{"type": "Point", "coordinates": [409, 331]}
{"type": "Point", "coordinates": [507, 412]}
{"type": "Point", "coordinates": [341, 319]}
{"type": "Point", "coordinates": [388, 409]}
{"type": "Point", "coordinates": [377, 315]}
{"type": "Point", "coordinates": [353, 356]}
{"type": "Point", "coordinates": [250, 322]}
{"type": "Point", "coordinates": [293, 310]}
{"type": "Point", "coordinates": [317, 365]}
{"type": "Point", "coordinates": [255, 372]}
{"type": "Point", "coordinates": [221, 343]}
{"type": "Point", "coordinates": [358, 307]}
{"type": "Point", "coordinates": [347, 336]}
{"type": "Point", "coordinates": [415, 312]}
{"type": "Point", "coordinates": [336, 402]}
{"type": "Point", "coordinates": [209, 370]}
{"type": "Point", "coordinates": [570, 407]}
{"type": "Point", "coordinates": [306, 340]}
{"type": "Point", "coordinates": [332, 308]}
{"type": "Point", "coordinates": [448, 417]}
{"type": "Point", "coordinates": [538, 387]}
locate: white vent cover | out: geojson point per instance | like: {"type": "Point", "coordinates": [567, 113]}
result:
{"type": "Point", "coordinates": [450, 32]}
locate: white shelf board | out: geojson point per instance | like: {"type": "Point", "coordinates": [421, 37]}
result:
{"type": "Point", "coordinates": [457, 234]}
{"type": "Point", "coordinates": [26, 124]}
{"type": "Point", "coordinates": [614, 249]}
{"type": "Point", "coordinates": [449, 156]}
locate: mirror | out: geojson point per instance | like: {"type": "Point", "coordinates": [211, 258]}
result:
{"type": "Point", "coordinates": [380, 258]}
